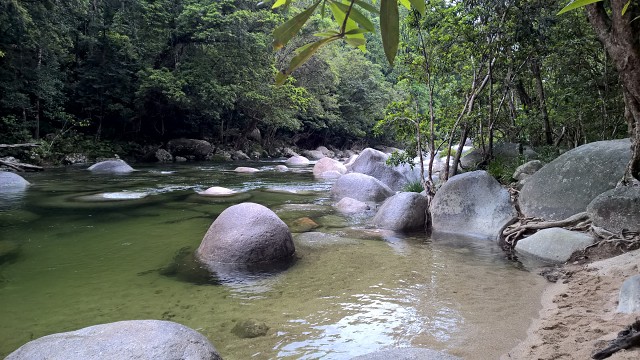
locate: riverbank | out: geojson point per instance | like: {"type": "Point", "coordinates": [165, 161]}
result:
{"type": "Point", "coordinates": [578, 314]}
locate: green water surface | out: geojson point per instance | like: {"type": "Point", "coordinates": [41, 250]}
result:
{"type": "Point", "coordinates": [84, 261]}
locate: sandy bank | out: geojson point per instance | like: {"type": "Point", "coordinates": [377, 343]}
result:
{"type": "Point", "coordinates": [578, 314]}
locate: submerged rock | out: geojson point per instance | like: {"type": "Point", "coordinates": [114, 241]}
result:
{"type": "Point", "coordinates": [303, 224]}
{"type": "Point", "coordinates": [111, 167]}
{"type": "Point", "coordinates": [246, 234]}
{"type": "Point", "coordinates": [568, 184]}
{"type": "Point", "coordinates": [554, 245]}
{"type": "Point", "coordinates": [250, 328]}
{"type": "Point", "coordinates": [245, 169]}
{"type": "Point", "coordinates": [472, 203]}
{"type": "Point", "coordinates": [407, 354]}
{"type": "Point", "coordinates": [348, 205]}
{"type": "Point", "coordinates": [122, 340]}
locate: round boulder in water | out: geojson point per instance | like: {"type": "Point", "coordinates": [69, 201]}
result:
{"type": "Point", "coordinates": [297, 161]}
{"type": "Point", "coordinates": [12, 182]}
{"type": "Point", "coordinates": [360, 187]}
{"type": "Point", "coordinates": [112, 167]}
{"type": "Point", "coordinates": [134, 339]}
{"type": "Point", "coordinates": [404, 211]}
{"type": "Point", "coordinates": [217, 191]}
{"type": "Point", "coordinates": [246, 234]}
{"type": "Point", "coordinates": [326, 164]}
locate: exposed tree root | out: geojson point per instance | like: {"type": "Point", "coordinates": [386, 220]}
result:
{"type": "Point", "coordinates": [627, 338]}
{"type": "Point", "coordinates": [625, 240]}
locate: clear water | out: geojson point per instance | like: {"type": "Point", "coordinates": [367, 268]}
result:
{"type": "Point", "coordinates": [86, 259]}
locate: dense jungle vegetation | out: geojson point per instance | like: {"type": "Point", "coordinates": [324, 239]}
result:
{"type": "Point", "coordinates": [105, 76]}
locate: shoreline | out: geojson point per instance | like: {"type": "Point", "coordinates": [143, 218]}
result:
{"type": "Point", "coordinates": [578, 315]}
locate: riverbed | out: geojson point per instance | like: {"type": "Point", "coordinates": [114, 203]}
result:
{"type": "Point", "coordinates": [94, 249]}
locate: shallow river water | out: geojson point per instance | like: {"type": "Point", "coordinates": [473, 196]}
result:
{"type": "Point", "coordinates": [84, 261]}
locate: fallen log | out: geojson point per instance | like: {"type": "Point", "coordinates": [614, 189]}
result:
{"type": "Point", "coordinates": [2, 146]}
{"type": "Point", "coordinates": [18, 166]}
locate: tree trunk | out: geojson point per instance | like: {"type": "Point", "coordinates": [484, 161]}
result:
{"type": "Point", "coordinates": [542, 102]}
{"type": "Point", "coordinates": [621, 37]}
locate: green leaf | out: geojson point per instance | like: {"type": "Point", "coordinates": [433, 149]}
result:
{"type": "Point", "coordinates": [577, 4]}
{"type": "Point", "coordinates": [419, 5]}
{"type": "Point", "coordinates": [370, 8]}
{"type": "Point", "coordinates": [355, 41]}
{"type": "Point", "coordinates": [357, 16]}
{"type": "Point", "coordinates": [327, 34]}
{"type": "Point", "coordinates": [389, 28]}
{"type": "Point", "coordinates": [303, 56]}
{"type": "Point", "coordinates": [279, 3]}
{"type": "Point", "coordinates": [283, 33]}
{"type": "Point", "coordinates": [356, 31]}
{"type": "Point", "coordinates": [405, 3]}
{"type": "Point", "coordinates": [626, 6]}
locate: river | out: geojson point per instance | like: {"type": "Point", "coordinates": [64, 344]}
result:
{"type": "Point", "coordinates": [84, 260]}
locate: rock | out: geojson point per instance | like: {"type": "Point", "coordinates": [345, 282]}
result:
{"type": "Point", "coordinates": [180, 159]}
{"type": "Point", "coordinates": [350, 161]}
{"type": "Point", "coordinates": [217, 191]}
{"type": "Point", "coordinates": [75, 158]}
{"type": "Point", "coordinates": [289, 152]}
{"type": "Point", "coordinates": [327, 164]}
{"type": "Point", "coordinates": [373, 163]}
{"type": "Point", "coordinates": [472, 203]}
{"type": "Point", "coordinates": [554, 245]}
{"type": "Point", "coordinates": [122, 340]}
{"type": "Point", "coordinates": [198, 149]}
{"type": "Point", "coordinates": [246, 234]}
{"type": "Point", "coordinates": [313, 154]}
{"type": "Point", "coordinates": [255, 135]}
{"type": "Point", "coordinates": [348, 205]}
{"type": "Point", "coordinates": [333, 174]}
{"type": "Point", "coordinates": [527, 169]}
{"type": "Point", "coordinates": [297, 161]}
{"type": "Point", "coordinates": [250, 328]}
{"type": "Point", "coordinates": [163, 156]}
{"type": "Point", "coordinates": [617, 209]}
{"type": "Point", "coordinates": [11, 182]}
{"type": "Point", "coordinates": [360, 187]}
{"type": "Point", "coordinates": [326, 152]}
{"type": "Point", "coordinates": [404, 211]}
{"type": "Point", "coordinates": [407, 354]}
{"type": "Point", "coordinates": [111, 167]}
{"type": "Point", "coordinates": [512, 151]}
{"type": "Point", "coordinates": [471, 160]}
{"type": "Point", "coordinates": [568, 184]}
{"type": "Point", "coordinates": [318, 240]}
{"type": "Point", "coordinates": [629, 299]}
{"type": "Point", "coordinates": [281, 168]}
{"type": "Point", "coordinates": [239, 155]}
{"type": "Point", "coordinates": [303, 225]}
{"type": "Point", "coordinates": [245, 169]}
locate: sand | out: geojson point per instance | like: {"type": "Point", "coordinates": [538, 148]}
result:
{"type": "Point", "coordinates": [578, 315]}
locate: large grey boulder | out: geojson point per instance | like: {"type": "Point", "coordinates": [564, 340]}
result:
{"type": "Point", "coordinates": [12, 182]}
{"type": "Point", "coordinates": [327, 164]}
{"type": "Point", "coordinates": [617, 209]}
{"type": "Point", "coordinates": [297, 160]}
{"type": "Point", "coordinates": [122, 340]}
{"type": "Point", "coordinates": [474, 204]}
{"type": "Point", "coordinates": [373, 163]}
{"type": "Point", "coordinates": [527, 169]}
{"type": "Point", "coordinates": [405, 211]}
{"type": "Point", "coordinates": [360, 187]}
{"type": "Point", "coordinates": [313, 154]}
{"type": "Point", "coordinates": [512, 151]}
{"type": "Point", "coordinates": [566, 185]}
{"type": "Point", "coordinates": [407, 354]}
{"type": "Point", "coordinates": [111, 167]}
{"type": "Point", "coordinates": [629, 299]}
{"type": "Point", "coordinates": [553, 245]}
{"type": "Point", "coordinates": [246, 234]}
{"type": "Point", "coordinates": [190, 148]}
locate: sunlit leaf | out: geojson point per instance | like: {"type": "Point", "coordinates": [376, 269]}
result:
{"type": "Point", "coordinates": [389, 28]}
{"type": "Point", "coordinates": [302, 57]}
{"type": "Point", "coordinates": [405, 3]}
{"type": "Point", "coordinates": [419, 5]}
{"type": "Point", "coordinates": [355, 41]}
{"type": "Point", "coordinates": [357, 16]}
{"type": "Point", "coordinates": [356, 31]}
{"type": "Point", "coordinates": [577, 4]}
{"type": "Point", "coordinates": [339, 14]}
{"type": "Point", "coordinates": [283, 33]}
{"type": "Point", "coordinates": [326, 33]}
{"type": "Point", "coordinates": [366, 6]}
{"type": "Point", "coordinates": [626, 6]}
{"type": "Point", "coordinates": [278, 3]}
